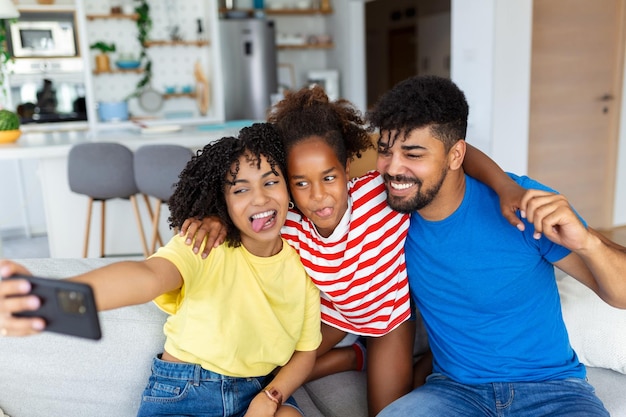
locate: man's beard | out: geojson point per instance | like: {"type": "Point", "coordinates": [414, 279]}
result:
{"type": "Point", "coordinates": [421, 199]}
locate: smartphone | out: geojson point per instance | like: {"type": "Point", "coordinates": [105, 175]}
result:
{"type": "Point", "coordinates": [67, 307]}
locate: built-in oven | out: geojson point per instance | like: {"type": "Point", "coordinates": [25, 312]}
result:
{"type": "Point", "coordinates": [43, 34]}
{"type": "Point", "coordinates": [46, 78]}
{"type": "Point", "coordinates": [48, 91]}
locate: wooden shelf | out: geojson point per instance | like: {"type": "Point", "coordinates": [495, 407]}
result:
{"type": "Point", "coordinates": [175, 43]}
{"type": "Point", "coordinates": [276, 12]}
{"type": "Point", "coordinates": [179, 95]}
{"type": "Point", "coordinates": [119, 71]}
{"type": "Point", "coordinates": [303, 12]}
{"type": "Point", "coordinates": [328, 45]}
{"type": "Point", "coordinates": [133, 16]}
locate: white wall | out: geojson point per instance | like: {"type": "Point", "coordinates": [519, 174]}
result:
{"type": "Point", "coordinates": [347, 26]}
{"type": "Point", "coordinates": [472, 56]}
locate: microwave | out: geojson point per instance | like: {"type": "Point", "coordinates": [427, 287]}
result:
{"type": "Point", "coordinates": [43, 34]}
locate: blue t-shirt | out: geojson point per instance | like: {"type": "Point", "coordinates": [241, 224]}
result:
{"type": "Point", "coordinates": [488, 294]}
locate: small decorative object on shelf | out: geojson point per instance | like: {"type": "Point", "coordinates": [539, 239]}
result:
{"type": "Point", "coordinates": [103, 63]}
{"type": "Point", "coordinates": [127, 63]}
{"type": "Point", "coordinates": [325, 6]}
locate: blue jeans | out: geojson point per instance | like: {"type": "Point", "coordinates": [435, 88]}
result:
{"type": "Point", "coordinates": [184, 389]}
{"type": "Point", "coordinates": [441, 396]}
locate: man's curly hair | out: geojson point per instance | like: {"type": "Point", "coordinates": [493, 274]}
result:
{"type": "Point", "coordinates": [201, 186]}
{"type": "Point", "coordinates": [422, 101]}
{"type": "Point", "coordinates": [308, 112]}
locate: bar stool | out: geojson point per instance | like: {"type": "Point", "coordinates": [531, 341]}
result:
{"type": "Point", "coordinates": [157, 168]}
{"type": "Point", "coordinates": [103, 171]}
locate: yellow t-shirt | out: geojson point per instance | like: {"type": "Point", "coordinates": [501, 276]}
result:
{"type": "Point", "coordinates": [238, 314]}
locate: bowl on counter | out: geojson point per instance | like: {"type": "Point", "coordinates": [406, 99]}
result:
{"type": "Point", "coordinates": [9, 136]}
{"type": "Point", "coordinates": [127, 64]}
{"type": "Point", "coordinates": [113, 111]}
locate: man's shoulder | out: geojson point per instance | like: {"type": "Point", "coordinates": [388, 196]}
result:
{"type": "Point", "coordinates": [528, 183]}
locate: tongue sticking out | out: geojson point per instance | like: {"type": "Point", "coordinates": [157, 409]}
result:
{"type": "Point", "coordinates": [257, 224]}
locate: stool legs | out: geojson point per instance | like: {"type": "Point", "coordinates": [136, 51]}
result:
{"type": "Point", "coordinates": [90, 203]}
{"type": "Point", "coordinates": [102, 228]}
{"type": "Point", "coordinates": [133, 200]}
{"type": "Point", "coordinates": [155, 227]}
{"type": "Point", "coordinates": [88, 227]}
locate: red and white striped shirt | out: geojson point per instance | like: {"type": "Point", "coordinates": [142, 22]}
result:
{"type": "Point", "coordinates": [360, 268]}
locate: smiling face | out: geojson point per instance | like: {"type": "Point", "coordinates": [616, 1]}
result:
{"type": "Point", "coordinates": [318, 183]}
{"type": "Point", "coordinates": [257, 202]}
{"type": "Point", "coordinates": [414, 169]}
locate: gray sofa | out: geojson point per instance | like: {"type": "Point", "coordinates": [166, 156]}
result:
{"type": "Point", "coordinates": [53, 375]}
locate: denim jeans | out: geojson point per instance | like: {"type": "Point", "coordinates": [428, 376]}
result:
{"type": "Point", "coordinates": [441, 396]}
{"type": "Point", "coordinates": [183, 389]}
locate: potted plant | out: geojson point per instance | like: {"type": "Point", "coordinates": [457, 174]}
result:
{"type": "Point", "coordinates": [5, 56]}
{"type": "Point", "coordinates": [9, 126]}
{"type": "Point", "coordinates": [103, 63]}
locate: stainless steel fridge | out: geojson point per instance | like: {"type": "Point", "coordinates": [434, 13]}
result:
{"type": "Point", "coordinates": [249, 68]}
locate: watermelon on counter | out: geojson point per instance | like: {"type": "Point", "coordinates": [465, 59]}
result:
{"type": "Point", "coordinates": [9, 120]}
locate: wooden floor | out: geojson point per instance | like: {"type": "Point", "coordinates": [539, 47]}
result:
{"type": "Point", "coordinates": [617, 235]}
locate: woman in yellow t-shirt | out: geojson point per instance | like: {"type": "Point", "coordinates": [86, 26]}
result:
{"type": "Point", "coordinates": [246, 312]}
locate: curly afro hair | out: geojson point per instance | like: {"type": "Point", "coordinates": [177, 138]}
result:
{"type": "Point", "coordinates": [422, 101]}
{"type": "Point", "coordinates": [308, 112]}
{"type": "Point", "coordinates": [200, 189]}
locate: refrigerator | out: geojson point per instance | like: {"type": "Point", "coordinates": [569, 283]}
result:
{"type": "Point", "coordinates": [249, 67]}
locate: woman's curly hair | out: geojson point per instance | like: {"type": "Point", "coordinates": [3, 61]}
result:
{"type": "Point", "coordinates": [308, 112]}
{"type": "Point", "coordinates": [200, 190]}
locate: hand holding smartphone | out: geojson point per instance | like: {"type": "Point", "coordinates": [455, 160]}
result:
{"type": "Point", "coordinates": [67, 307]}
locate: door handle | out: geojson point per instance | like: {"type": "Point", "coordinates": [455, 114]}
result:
{"type": "Point", "coordinates": [606, 97]}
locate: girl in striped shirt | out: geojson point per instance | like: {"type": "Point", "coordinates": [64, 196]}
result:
{"type": "Point", "coordinates": [350, 241]}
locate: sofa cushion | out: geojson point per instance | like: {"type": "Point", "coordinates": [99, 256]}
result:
{"type": "Point", "coordinates": [72, 376]}
{"type": "Point", "coordinates": [596, 330]}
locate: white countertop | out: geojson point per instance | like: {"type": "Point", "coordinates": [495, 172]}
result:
{"type": "Point", "coordinates": [54, 144]}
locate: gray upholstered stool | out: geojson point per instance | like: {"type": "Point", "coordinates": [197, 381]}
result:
{"type": "Point", "coordinates": [103, 171]}
{"type": "Point", "coordinates": [157, 168]}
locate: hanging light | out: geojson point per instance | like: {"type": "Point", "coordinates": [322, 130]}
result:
{"type": "Point", "coordinates": [8, 10]}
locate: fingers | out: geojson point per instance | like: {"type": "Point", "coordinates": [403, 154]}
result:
{"type": "Point", "coordinates": [209, 230]}
{"type": "Point", "coordinates": [510, 201]}
{"type": "Point", "coordinates": [510, 214]}
{"type": "Point", "coordinates": [189, 228]}
{"type": "Point", "coordinates": [19, 326]}
{"type": "Point", "coordinates": [546, 211]}
{"type": "Point", "coordinates": [14, 299]}
{"type": "Point", "coordinates": [8, 268]}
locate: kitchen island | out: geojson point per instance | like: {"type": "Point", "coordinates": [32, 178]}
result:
{"type": "Point", "coordinates": [66, 212]}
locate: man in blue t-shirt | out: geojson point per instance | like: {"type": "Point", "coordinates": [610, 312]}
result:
{"type": "Point", "coordinates": [486, 290]}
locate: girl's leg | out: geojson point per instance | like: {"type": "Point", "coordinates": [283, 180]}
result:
{"type": "Point", "coordinates": [286, 411]}
{"type": "Point", "coordinates": [389, 366]}
{"type": "Point", "coordinates": [422, 368]}
{"type": "Point", "coordinates": [330, 361]}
